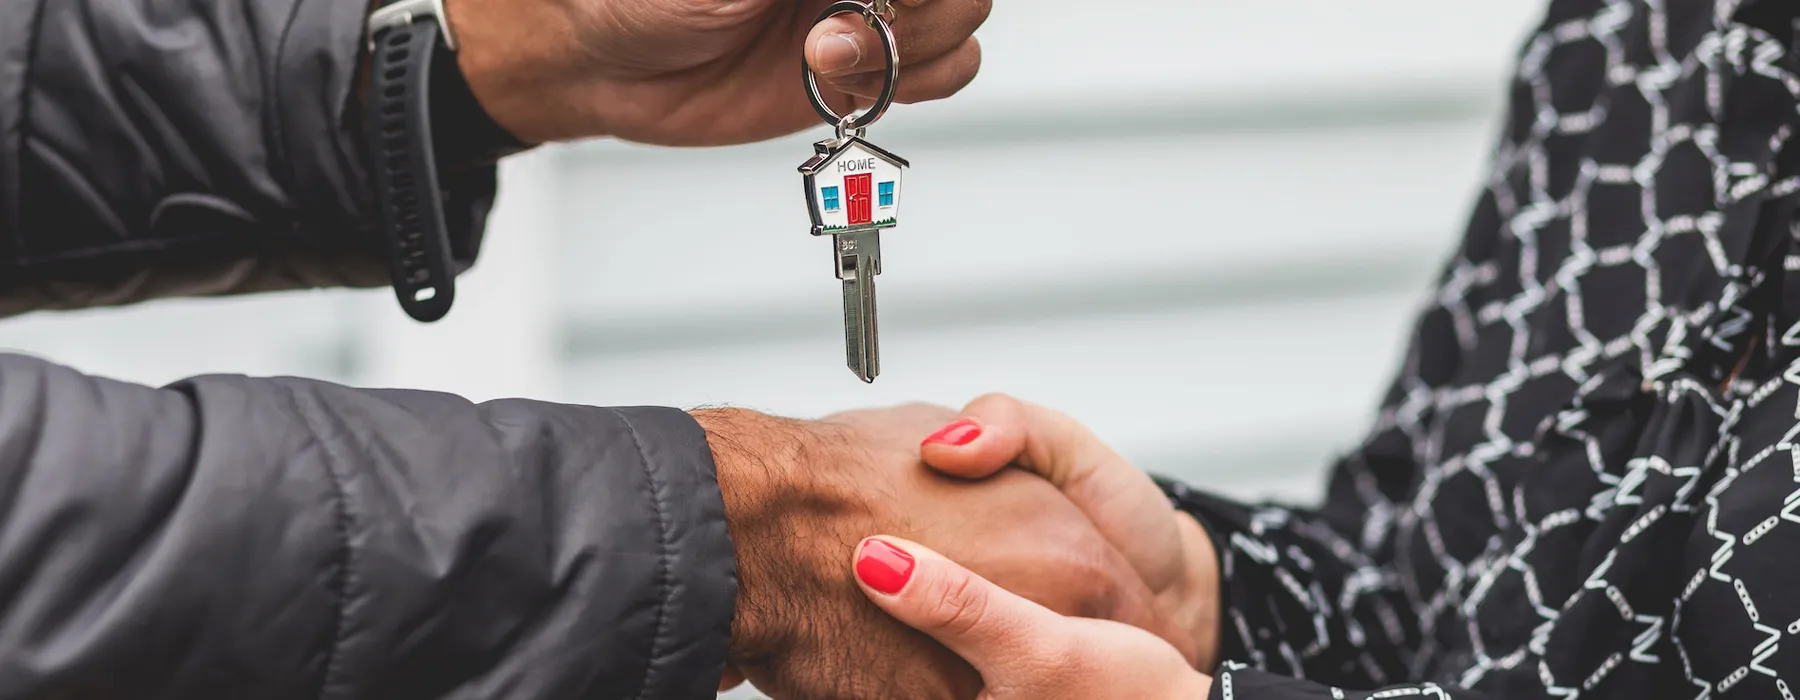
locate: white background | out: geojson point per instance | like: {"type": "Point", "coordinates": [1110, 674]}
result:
{"type": "Point", "coordinates": [1235, 207]}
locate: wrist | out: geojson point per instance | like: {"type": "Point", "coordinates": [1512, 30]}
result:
{"type": "Point", "coordinates": [465, 135]}
{"type": "Point", "coordinates": [1200, 590]}
{"type": "Point", "coordinates": [754, 455]}
{"type": "Point", "coordinates": [1199, 685]}
{"type": "Point", "coordinates": [517, 58]}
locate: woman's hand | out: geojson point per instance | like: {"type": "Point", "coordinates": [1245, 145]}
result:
{"type": "Point", "coordinates": [1167, 548]}
{"type": "Point", "coordinates": [1022, 650]}
{"type": "Point", "coordinates": [797, 492]}
{"type": "Point", "coordinates": [688, 73]}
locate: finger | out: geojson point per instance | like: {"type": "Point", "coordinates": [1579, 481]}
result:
{"type": "Point", "coordinates": [1124, 504]}
{"type": "Point", "coordinates": [976, 445]}
{"type": "Point", "coordinates": [846, 44]}
{"type": "Point", "coordinates": [936, 79]}
{"type": "Point", "coordinates": [928, 31]}
{"type": "Point", "coordinates": [842, 44]}
{"type": "Point", "coordinates": [988, 626]}
{"type": "Point", "coordinates": [1133, 603]}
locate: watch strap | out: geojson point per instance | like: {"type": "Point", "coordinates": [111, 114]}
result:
{"type": "Point", "coordinates": [467, 136]}
{"type": "Point", "coordinates": [403, 45]}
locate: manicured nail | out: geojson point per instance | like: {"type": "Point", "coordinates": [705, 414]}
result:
{"type": "Point", "coordinates": [956, 434]}
{"type": "Point", "coordinates": [883, 566]}
{"type": "Point", "coordinates": [837, 53]}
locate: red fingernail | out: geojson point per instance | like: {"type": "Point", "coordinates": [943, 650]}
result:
{"type": "Point", "coordinates": [956, 434]}
{"type": "Point", "coordinates": [883, 566]}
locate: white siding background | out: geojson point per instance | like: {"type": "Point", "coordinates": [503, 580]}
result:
{"type": "Point", "coordinates": [1198, 225]}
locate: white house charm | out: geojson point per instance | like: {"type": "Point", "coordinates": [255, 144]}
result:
{"type": "Point", "coordinates": [853, 186]}
{"type": "Point", "coordinates": [853, 191]}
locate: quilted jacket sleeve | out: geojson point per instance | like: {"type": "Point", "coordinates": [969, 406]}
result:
{"type": "Point", "coordinates": [157, 148]}
{"type": "Point", "coordinates": [228, 537]}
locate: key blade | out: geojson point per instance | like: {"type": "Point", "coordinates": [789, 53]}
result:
{"type": "Point", "coordinates": [859, 261]}
{"type": "Point", "coordinates": [862, 341]}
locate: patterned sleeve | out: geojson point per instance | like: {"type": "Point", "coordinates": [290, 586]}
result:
{"type": "Point", "coordinates": [1308, 611]}
{"type": "Point", "coordinates": [1301, 597]}
{"type": "Point", "coordinates": [1320, 594]}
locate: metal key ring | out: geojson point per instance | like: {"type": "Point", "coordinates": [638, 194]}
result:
{"type": "Point", "coordinates": [876, 20]}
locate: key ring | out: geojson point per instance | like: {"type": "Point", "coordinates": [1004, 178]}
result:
{"type": "Point", "coordinates": [879, 16]}
{"type": "Point", "coordinates": [884, 9]}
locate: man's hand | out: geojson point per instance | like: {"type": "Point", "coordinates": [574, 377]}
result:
{"type": "Point", "coordinates": [1168, 549]}
{"type": "Point", "coordinates": [695, 72]}
{"type": "Point", "coordinates": [800, 495]}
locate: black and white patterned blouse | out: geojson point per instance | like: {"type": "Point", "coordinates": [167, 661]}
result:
{"type": "Point", "coordinates": [1585, 482]}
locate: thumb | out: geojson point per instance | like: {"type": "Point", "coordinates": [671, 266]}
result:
{"type": "Point", "coordinates": [1122, 501]}
{"type": "Point", "coordinates": [842, 45]}
{"type": "Point", "coordinates": [993, 629]}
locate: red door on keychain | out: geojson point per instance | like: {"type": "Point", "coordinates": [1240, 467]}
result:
{"type": "Point", "coordinates": [858, 191]}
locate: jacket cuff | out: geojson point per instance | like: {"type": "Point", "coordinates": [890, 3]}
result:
{"type": "Point", "coordinates": [1235, 681]}
{"type": "Point", "coordinates": [699, 583]}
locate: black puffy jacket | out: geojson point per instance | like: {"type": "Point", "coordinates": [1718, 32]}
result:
{"type": "Point", "coordinates": [229, 537]}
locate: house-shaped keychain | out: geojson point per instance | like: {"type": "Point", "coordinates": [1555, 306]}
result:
{"type": "Point", "coordinates": [852, 185]}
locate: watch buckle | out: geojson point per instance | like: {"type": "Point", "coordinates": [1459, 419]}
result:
{"type": "Point", "coordinates": [405, 12]}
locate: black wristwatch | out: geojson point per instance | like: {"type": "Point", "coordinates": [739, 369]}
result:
{"type": "Point", "coordinates": [422, 124]}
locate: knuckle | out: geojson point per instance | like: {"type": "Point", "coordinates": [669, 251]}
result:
{"type": "Point", "coordinates": [995, 397]}
{"type": "Point", "coordinates": [1067, 655]}
{"type": "Point", "coordinates": [1057, 659]}
{"type": "Point", "coordinates": [1097, 593]}
{"type": "Point", "coordinates": [924, 408]}
{"type": "Point", "coordinates": [926, 416]}
{"type": "Point", "coordinates": [961, 606]}
{"type": "Point", "coordinates": [994, 404]}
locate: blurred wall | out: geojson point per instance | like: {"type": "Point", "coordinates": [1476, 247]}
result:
{"type": "Point", "coordinates": [1200, 226]}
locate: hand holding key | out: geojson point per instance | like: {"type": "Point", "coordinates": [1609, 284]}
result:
{"type": "Point", "coordinates": [695, 73]}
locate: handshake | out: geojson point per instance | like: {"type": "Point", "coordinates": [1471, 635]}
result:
{"type": "Point", "coordinates": [1010, 554]}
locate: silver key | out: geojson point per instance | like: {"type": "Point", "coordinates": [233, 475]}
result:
{"type": "Point", "coordinates": [859, 261]}
{"type": "Point", "coordinates": [853, 191]}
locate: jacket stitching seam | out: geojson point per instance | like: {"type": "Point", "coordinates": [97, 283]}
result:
{"type": "Point", "coordinates": [346, 554]}
{"type": "Point", "coordinates": [280, 165]}
{"type": "Point", "coordinates": [133, 247]}
{"type": "Point", "coordinates": [663, 583]}
{"type": "Point", "coordinates": [16, 196]}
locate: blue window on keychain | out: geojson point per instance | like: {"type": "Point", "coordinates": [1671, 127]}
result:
{"type": "Point", "coordinates": [887, 194]}
{"type": "Point", "coordinates": [831, 198]}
